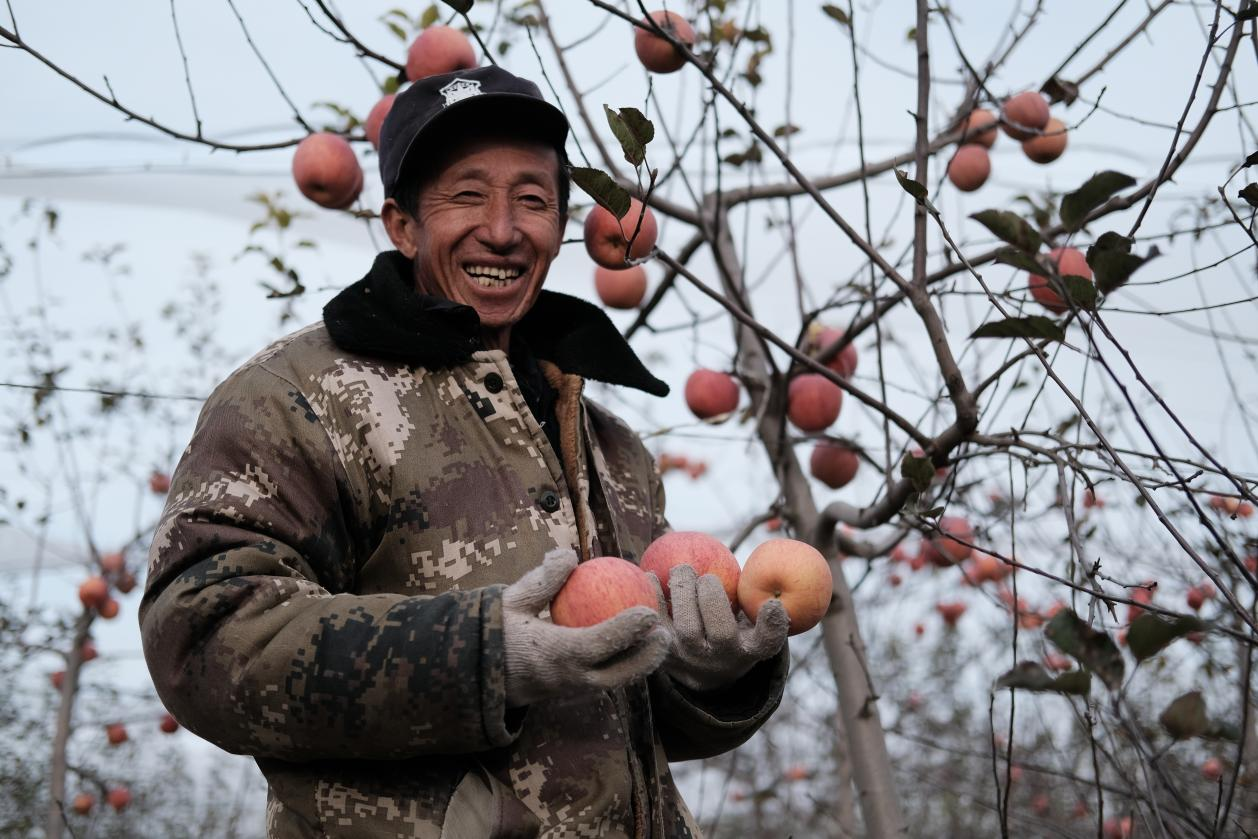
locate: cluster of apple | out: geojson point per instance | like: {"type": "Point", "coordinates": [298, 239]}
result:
{"type": "Point", "coordinates": [1231, 506]}
{"type": "Point", "coordinates": [1025, 118]}
{"type": "Point", "coordinates": [696, 469]}
{"type": "Point", "coordinates": [608, 242]}
{"type": "Point", "coordinates": [94, 591]}
{"type": "Point", "coordinates": [792, 571]}
{"type": "Point", "coordinates": [117, 797]}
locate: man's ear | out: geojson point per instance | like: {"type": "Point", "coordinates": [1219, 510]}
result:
{"type": "Point", "coordinates": [401, 227]}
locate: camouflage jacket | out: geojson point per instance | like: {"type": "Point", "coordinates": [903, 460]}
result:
{"type": "Point", "coordinates": [324, 588]}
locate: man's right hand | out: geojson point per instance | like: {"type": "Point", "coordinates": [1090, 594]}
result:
{"type": "Point", "coordinates": [545, 660]}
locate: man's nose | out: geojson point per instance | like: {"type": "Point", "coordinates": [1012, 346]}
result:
{"type": "Point", "coordinates": [498, 229]}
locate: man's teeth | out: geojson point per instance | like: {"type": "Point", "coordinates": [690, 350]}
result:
{"type": "Point", "coordinates": [489, 277]}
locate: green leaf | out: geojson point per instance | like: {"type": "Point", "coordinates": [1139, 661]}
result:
{"type": "Point", "coordinates": [1112, 261]}
{"type": "Point", "coordinates": [1028, 675]}
{"type": "Point", "coordinates": [1186, 717]}
{"type": "Point", "coordinates": [1149, 634]}
{"type": "Point", "coordinates": [397, 30]}
{"type": "Point", "coordinates": [390, 85]}
{"type": "Point", "coordinates": [460, 6]}
{"type": "Point", "coordinates": [1248, 11]}
{"type": "Point", "coordinates": [1095, 192]}
{"type": "Point", "coordinates": [1080, 290]}
{"type": "Point", "coordinates": [1252, 160]}
{"type": "Point", "coordinates": [1250, 194]}
{"type": "Point", "coordinates": [1035, 326]}
{"type": "Point", "coordinates": [1018, 259]}
{"type": "Point", "coordinates": [786, 130]}
{"type": "Point", "coordinates": [600, 186]}
{"type": "Point", "coordinates": [919, 471]}
{"type": "Point", "coordinates": [429, 17]}
{"type": "Point", "coordinates": [1093, 649]}
{"type": "Point", "coordinates": [837, 13]}
{"type": "Point", "coordinates": [633, 130]}
{"type": "Point", "coordinates": [1222, 730]}
{"type": "Point", "coordinates": [912, 187]}
{"type": "Point", "coordinates": [1011, 228]}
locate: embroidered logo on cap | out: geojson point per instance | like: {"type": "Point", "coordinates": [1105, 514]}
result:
{"type": "Point", "coordinates": [460, 89]}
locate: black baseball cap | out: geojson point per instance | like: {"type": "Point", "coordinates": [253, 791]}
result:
{"type": "Point", "coordinates": [432, 106]}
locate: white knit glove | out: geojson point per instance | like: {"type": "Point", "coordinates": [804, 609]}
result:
{"type": "Point", "coordinates": [544, 660]}
{"type": "Point", "coordinates": [712, 648]}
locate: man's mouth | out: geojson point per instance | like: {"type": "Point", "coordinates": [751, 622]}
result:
{"type": "Point", "coordinates": [487, 276]}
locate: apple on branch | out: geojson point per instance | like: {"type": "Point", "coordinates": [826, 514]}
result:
{"type": "Point", "coordinates": [439, 49]}
{"type": "Point", "coordinates": [656, 53]}
{"type": "Point", "coordinates": [620, 289]}
{"type": "Point", "coordinates": [327, 171]}
{"type": "Point", "coordinates": [710, 393]}
{"type": "Point", "coordinates": [607, 237]}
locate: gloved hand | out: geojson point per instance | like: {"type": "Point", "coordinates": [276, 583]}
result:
{"type": "Point", "coordinates": [712, 648]}
{"type": "Point", "coordinates": [545, 660]}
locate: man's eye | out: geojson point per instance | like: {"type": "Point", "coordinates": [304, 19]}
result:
{"type": "Point", "coordinates": [534, 199]}
{"type": "Point", "coordinates": [468, 193]}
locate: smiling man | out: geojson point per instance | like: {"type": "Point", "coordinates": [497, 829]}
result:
{"type": "Point", "coordinates": [350, 579]}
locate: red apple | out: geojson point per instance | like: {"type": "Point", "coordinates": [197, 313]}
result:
{"type": "Point", "coordinates": [969, 167]}
{"type": "Point", "coordinates": [711, 394]}
{"type": "Point", "coordinates": [774, 524]}
{"type": "Point", "coordinates": [845, 362]}
{"type": "Point", "coordinates": [169, 724]}
{"type": "Point", "coordinates": [125, 582]}
{"type": "Point", "coordinates": [1041, 804]}
{"type": "Point", "coordinates": [1048, 146]}
{"type": "Point", "coordinates": [118, 798]}
{"type": "Point", "coordinates": [794, 572]}
{"type": "Point", "coordinates": [116, 733]}
{"type": "Point", "coordinates": [620, 289]}
{"type": "Point", "coordinates": [813, 402]}
{"type": "Point", "coordinates": [1212, 769]}
{"type": "Point", "coordinates": [88, 651]}
{"type": "Point", "coordinates": [1068, 261]}
{"type": "Point", "coordinates": [93, 592]}
{"type": "Point", "coordinates": [375, 119]}
{"type": "Point", "coordinates": [950, 612]}
{"type": "Point", "coordinates": [58, 679]}
{"type": "Point", "coordinates": [159, 483]}
{"type": "Point", "coordinates": [109, 609]}
{"type": "Point", "coordinates": [833, 465]}
{"type": "Point", "coordinates": [1196, 598]}
{"type": "Point", "coordinates": [946, 549]}
{"type": "Point", "coordinates": [439, 49]}
{"type": "Point", "coordinates": [327, 171]}
{"type": "Point", "coordinates": [1090, 500]}
{"type": "Point", "coordinates": [599, 589]}
{"type": "Point", "coordinates": [112, 563]}
{"type": "Point", "coordinates": [986, 568]}
{"type": "Point", "coordinates": [1117, 828]}
{"type": "Point", "coordinates": [1022, 111]}
{"type": "Point", "coordinates": [797, 772]}
{"type": "Point", "coordinates": [979, 128]}
{"type": "Point", "coordinates": [83, 803]}
{"type": "Point", "coordinates": [704, 553]}
{"type": "Point", "coordinates": [657, 54]}
{"type": "Point", "coordinates": [606, 242]}
{"type": "Point", "coordinates": [697, 470]}
{"type": "Point", "coordinates": [894, 580]}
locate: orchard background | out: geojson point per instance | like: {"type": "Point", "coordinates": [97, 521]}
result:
{"type": "Point", "coordinates": [153, 239]}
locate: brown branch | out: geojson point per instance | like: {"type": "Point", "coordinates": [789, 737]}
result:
{"type": "Point", "coordinates": [349, 38]}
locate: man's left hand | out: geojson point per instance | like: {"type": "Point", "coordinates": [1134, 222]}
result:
{"type": "Point", "coordinates": [712, 647]}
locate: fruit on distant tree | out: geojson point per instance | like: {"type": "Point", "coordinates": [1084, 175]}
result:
{"type": "Point", "coordinates": [969, 167]}
{"type": "Point", "coordinates": [950, 612]}
{"type": "Point", "coordinates": [125, 582]}
{"type": "Point", "coordinates": [375, 119]}
{"type": "Point", "coordinates": [1048, 146]}
{"type": "Point", "coordinates": [794, 572]}
{"type": "Point", "coordinates": [88, 651]}
{"type": "Point", "coordinates": [118, 798]}
{"type": "Point", "coordinates": [979, 127]}
{"type": "Point", "coordinates": [1212, 769]}
{"type": "Point", "coordinates": [1026, 110]}
{"type": "Point", "coordinates": [606, 242]}
{"type": "Point", "coordinates": [83, 803]}
{"type": "Point", "coordinates": [1068, 261]}
{"type": "Point", "coordinates": [93, 592]}
{"type": "Point", "coordinates": [797, 772]}
{"type": "Point", "coordinates": [168, 725]}
{"type": "Point", "coordinates": [112, 563]}
{"type": "Point", "coordinates": [946, 548]}
{"type": "Point", "coordinates": [985, 568]}
{"type": "Point", "coordinates": [1117, 828]}
{"type": "Point", "coordinates": [710, 393]}
{"type": "Point", "coordinates": [813, 402]}
{"type": "Point", "coordinates": [1041, 804]}
{"type": "Point", "coordinates": [1091, 501]}
{"type": "Point", "coordinates": [706, 554]}
{"type": "Point", "coordinates": [58, 679]}
{"type": "Point", "coordinates": [844, 363]}
{"type": "Point", "coordinates": [439, 49]}
{"type": "Point", "coordinates": [159, 483]}
{"type": "Point", "coordinates": [620, 289]}
{"type": "Point", "coordinates": [327, 171]}
{"type": "Point", "coordinates": [116, 733]}
{"type": "Point", "coordinates": [656, 53]}
{"type": "Point", "coordinates": [109, 609]}
{"type": "Point", "coordinates": [834, 465]}
{"type": "Point", "coordinates": [599, 589]}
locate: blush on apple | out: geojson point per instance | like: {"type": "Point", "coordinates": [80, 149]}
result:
{"type": "Point", "coordinates": [813, 402]}
{"type": "Point", "coordinates": [327, 171]}
{"type": "Point", "coordinates": [794, 572]}
{"type": "Point", "coordinates": [607, 244]}
{"type": "Point", "coordinates": [620, 289]}
{"type": "Point", "coordinates": [656, 53]}
{"type": "Point", "coordinates": [599, 589]}
{"type": "Point", "coordinates": [704, 553]}
{"type": "Point", "coordinates": [710, 393]}
{"type": "Point", "coordinates": [439, 49]}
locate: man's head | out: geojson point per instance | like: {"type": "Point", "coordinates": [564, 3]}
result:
{"type": "Point", "coordinates": [477, 190]}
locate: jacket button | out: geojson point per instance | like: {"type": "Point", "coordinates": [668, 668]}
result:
{"type": "Point", "coordinates": [549, 501]}
{"type": "Point", "coordinates": [493, 383]}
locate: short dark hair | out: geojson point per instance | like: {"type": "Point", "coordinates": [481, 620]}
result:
{"type": "Point", "coordinates": [422, 167]}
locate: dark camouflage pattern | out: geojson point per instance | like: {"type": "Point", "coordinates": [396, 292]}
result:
{"type": "Point", "coordinates": [324, 594]}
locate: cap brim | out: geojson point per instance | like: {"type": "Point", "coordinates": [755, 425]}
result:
{"type": "Point", "coordinates": [535, 118]}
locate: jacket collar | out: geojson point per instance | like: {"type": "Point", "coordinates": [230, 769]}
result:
{"type": "Point", "coordinates": [383, 316]}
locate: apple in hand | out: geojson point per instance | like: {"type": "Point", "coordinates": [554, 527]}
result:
{"type": "Point", "coordinates": [704, 553]}
{"type": "Point", "coordinates": [606, 242]}
{"type": "Point", "coordinates": [439, 49]}
{"type": "Point", "coordinates": [601, 588]}
{"type": "Point", "coordinates": [327, 170]}
{"type": "Point", "coordinates": [795, 573]}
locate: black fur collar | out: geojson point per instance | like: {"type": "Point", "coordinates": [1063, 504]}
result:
{"type": "Point", "coordinates": [382, 316]}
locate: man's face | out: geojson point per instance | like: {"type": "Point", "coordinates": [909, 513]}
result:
{"type": "Point", "coordinates": [486, 228]}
